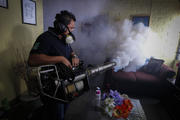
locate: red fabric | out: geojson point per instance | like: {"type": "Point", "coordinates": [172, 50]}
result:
{"type": "Point", "coordinates": [130, 76]}
{"type": "Point", "coordinates": [145, 77]}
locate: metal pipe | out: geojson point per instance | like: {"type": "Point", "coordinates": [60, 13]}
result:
{"type": "Point", "coordinates": [95, 70]}
{"type": "Point", "coordinates": [100, 68]}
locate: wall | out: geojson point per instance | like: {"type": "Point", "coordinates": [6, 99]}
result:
{"type": "Point", "coordinates": [15, 42]}
{"type": "Point", "coordinates": [164, 19]}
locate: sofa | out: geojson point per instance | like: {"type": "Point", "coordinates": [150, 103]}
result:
{"type": "Point", "coordinates": [148, 80]}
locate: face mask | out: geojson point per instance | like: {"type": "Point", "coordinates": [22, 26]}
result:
{"type": "Point", "coordinates": [69, 39]}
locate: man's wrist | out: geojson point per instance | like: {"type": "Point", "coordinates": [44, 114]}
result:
{"type": "Point", "coordinates": [74, 56]}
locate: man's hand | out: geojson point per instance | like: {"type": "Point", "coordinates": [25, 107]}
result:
{"type": "Point", "coordinates": [75, 61]}
{"type": "Point", "coordinates": [67, 63]}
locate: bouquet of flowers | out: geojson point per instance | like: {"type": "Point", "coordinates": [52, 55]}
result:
{"type": "Point", "coordinates": [116, 105]}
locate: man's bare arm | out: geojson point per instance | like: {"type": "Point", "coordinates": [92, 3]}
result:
{"type": "Point", "coordinates": [42, 59]}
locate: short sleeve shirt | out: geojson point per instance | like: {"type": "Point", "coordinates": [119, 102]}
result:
{"type": "Point", "coordinates": [49, 43]}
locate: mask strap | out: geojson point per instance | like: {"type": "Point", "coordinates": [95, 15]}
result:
{"type": "Point", "coordinates": [71, 34]}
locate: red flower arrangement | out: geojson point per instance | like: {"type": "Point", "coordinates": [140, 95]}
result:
{"type": "Point", "coordinates": [116, 105]}
{"type": "Point", "coordinates": [123, 110]}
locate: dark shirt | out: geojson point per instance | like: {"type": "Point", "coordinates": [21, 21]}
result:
{"type": "Point", "coordinates": [49, 43]}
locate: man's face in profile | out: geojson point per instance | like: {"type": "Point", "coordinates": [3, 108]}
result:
{"type": "Point", "coordinates": [71, 27]}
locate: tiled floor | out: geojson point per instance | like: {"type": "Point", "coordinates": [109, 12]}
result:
{"type": "Point", "coordinates": [154, 109]}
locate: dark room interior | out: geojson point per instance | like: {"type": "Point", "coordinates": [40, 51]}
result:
{"type": "Point", "coordinates": [90, 59]}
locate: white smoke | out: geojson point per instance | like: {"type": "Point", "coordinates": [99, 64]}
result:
{"type": "Point", "coordinates": [98, 37]}
{"type": "Point", "coordinates": [130, 42]}
{"type": "Point", "coordinates": [123, 42]}
{"type": "Point", "coordinates": [94, 38]}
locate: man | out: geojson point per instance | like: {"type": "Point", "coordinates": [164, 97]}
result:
{"type": "Point", "coordinates": [51, 47]}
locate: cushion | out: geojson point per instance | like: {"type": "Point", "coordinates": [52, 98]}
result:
{"type": "Point", "coordinates": [166, 72]}
{"type": "Point", "coordinates": [153, 66]}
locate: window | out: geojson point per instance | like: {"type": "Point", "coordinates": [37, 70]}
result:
{"type": "Point", "coordinates": [141, 19]}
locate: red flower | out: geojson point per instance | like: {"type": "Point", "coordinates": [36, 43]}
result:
{"type": "Point", "coordinates": [117, 112]}
{"type": "Point", "coordinates": [123, 110]}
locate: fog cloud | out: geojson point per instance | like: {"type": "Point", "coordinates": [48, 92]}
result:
{"type": "Point", "coordinates": [98, 37]}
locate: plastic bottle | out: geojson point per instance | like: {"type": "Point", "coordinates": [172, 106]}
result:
{"type": "Point", "coordinates": [98, 97]}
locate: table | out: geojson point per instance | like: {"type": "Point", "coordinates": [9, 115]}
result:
{"type": "Point", "coordinates": [83, 108]}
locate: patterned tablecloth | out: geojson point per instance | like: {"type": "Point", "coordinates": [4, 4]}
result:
{"type": "Point", "coordinates": [83, 108]}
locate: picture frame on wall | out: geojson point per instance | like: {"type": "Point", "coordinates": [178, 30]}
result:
{"type": "Point", "coordinates": [141, 19]}
{"type": "Point", "coordinates": [28, 12]}
{"type": "Point", "coordinates": [4, 3]}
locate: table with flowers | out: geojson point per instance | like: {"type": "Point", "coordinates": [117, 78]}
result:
{"type": "Point", "coordinates": [113, 106]}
